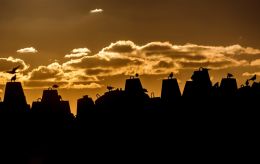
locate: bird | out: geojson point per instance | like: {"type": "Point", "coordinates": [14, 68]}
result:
{"type": "Point", "coordinates": [13, 71]}
{"type": "Point", "coordinates": [253, 78]}
{"type": "Point", "coordinates": [229, 75]}
{"type": "Point", "coordinates": [171, 75]}
{"type": "Point", "coordinates": [13, 79]}
{"type": "Point", "coordinates": [247, 83]}
{"type": "Point", "coordinates": [110, 88]}
{"type": "Point", "coordinates": [55, 86]}
{"type": "Point", "coordinates": [204, 69]}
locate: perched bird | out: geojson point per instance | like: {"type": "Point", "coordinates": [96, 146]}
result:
{"type": "Point", "coordinates": [229, 75]}
{"type": "Point", "coordinates": [110, 88]}
{"type": "Point", "coordinates": [13, 71]}
{"type": "Point", "coordinates": [55, 86]}
{"type": "Point", "coordinates": [13, 79]}
{"type": "Point", "coordinates": [247, 83]}
{"type": "Point", "coordinates": [253, 78]}
{"type": "Point", "coordinates": [205, 69]}
{"type": "Point", "coordinates": [171, 75]}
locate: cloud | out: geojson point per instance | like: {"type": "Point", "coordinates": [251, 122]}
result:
{"type": "Point", "coordinates": [80, 50]}
{"type": "Point", "coordinates": [127, 58]}
{"type": "Point", "coordinates": [86, 86]}
{"type": "Point", "coordinates": [27, 50]}
{"type": "Point", "coordinates": [51, 72]}
{"type": "Point", "coordinates": [78, 53]}
{"type": "Point", "coordinates": [248, 74]}
{"type": "Point", "coordinates": [7, 64]}
{"type": "Point", "coordinates": [121, 47]}
{"type": "Point", "coordinates": [11, 62]}
{"type": "Point", "coordinates": [96, 11]}
{"type": "Point", "coordinates": [255, 62]}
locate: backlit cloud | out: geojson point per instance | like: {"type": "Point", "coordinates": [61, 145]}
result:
{"type": "Point", "coordinates": [11, 62]}
{"type": "Point", "coordinates": [78, 53]}
{"type": "Point", "coordinates": [84, 71]}
{"type": "Point", "coordinates": [27, 50]}
{"type": "Point", "coordinates": [96, 11]}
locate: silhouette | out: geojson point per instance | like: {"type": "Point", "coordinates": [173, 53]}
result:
{"type": "Point", "coordinates": [55, 86]}
{"type": "Point", "coordinates": [13, 71]}
{"type": "Point", "coordinates": [170, 90]}
{"type": "Point", "coordinates": [228, 86]}
{"type": "Point", "coordinates": [14, 98]}
{"type": "Point", "coordinates": [229, 75]}
{"type": "Point", "coordinates": [110, 88]}
{"type": "Point", "coordinates": [205, 69]}
{"type": "Point", "coordinates": [200, 85]}
{"type": "Point", "coordinates": [247, 83]}
{"type": "Point", "coordinates": [216, 85]}
{"type": "Point", "coordinates": [50, 133]}
{"type": "Point", "coordinates": [13, 79]}
{"type": "Point", "coordinates": [170, 76]}
{"type": "Point", "coordinates": [253, 78]}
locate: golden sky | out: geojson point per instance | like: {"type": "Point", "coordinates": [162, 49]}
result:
{"type": "Point", "coordinates": [85, 45]}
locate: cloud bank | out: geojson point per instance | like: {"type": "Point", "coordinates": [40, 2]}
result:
{"type": "Point", "coordinates": [120, 58]}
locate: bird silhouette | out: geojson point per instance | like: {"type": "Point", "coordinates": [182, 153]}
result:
{"type": "Point", "coordinates": [204, 69]}
{"type": "Point", "coordinates": [55, 86]}
{"type": "Point", "coordinates": [171, 75]}
{"type": "Point", "coordinates": [229, 75]}
{"type": "Point", "coordinates": [247, 83]}
{"type": "Point", "coordinates": [110, 88]}
{"type": "Point", "coordinates": [13, 79]}
{"type": "Point", "coordinates": [253, 78]}
{"type": "Point", "coordinates": [13, 71]}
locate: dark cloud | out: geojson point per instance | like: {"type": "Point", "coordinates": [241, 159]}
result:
{"type": "Point", "coordinates": [164, 64]}
{"type": "Point", "coordinates": [98, 71]}
{"type": "Point", "coordinates": [96, 61]}
{"type": "Point", "coordinates": [206, 64]}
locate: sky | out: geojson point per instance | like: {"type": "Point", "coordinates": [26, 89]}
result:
{"type": "Point", "coordinates": [85, 45]}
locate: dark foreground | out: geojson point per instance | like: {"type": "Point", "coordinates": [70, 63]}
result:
{"type": "Point", "coordinates": [201, 130]}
